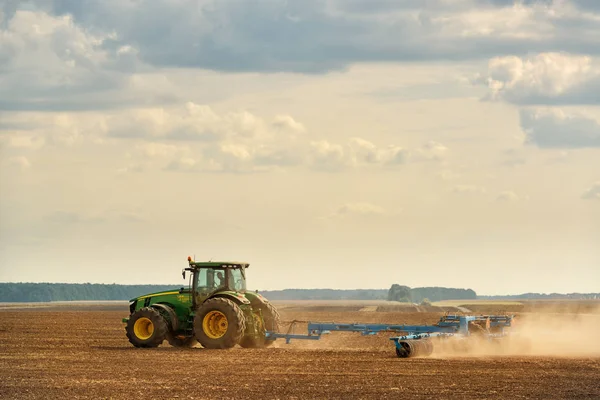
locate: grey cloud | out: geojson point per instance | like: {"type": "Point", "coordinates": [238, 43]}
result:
{"type": "Point", "coordinates": [314, 36]}
{"type": "Point", "coordinates": [593, 5]}
{"type": "Point", "coordinates": [59, 65]}
{"type": "Point", "coordinates": [556, 129]}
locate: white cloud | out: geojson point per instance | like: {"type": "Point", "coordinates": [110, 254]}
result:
{"type": "Point", "coordinates": [546, 78]}
{"type": "Point", "coordinates": [287, 122]}
{"type": "Point", "coordinates": [431, 151]}
{"type": "Point", "coordinates": [555, 128]}
{"type": "Point", "coordinates": [510, 196]}
{"type": "Point", "coordinates": [21, 140]}
{"type": "Point", "coordinates": [518, 22]}
{"type": "Point", "coordinates": [183, 164]}
{"type": "Point", "coordinates": [358, 209]}
{"type": "Point", "coordinates": [593, 192]}
{"type": "Point", "coordinates": [361, 153]}
{"type": "Point", "coordinates": [327, 156]}
{"type": "Point", "coordinates": [19, 162]}
{"type": "Point", "coordinates": [244, 142]}
{"type": "Point", "coordinates": [33, 130]}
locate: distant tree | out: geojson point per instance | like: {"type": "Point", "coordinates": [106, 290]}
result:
{"type": "Point", "coordinates": [425, 302]}
{"type": "Point", "coordinates": [399, 293]}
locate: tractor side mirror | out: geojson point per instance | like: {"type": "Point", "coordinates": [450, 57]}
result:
{"type": "Point", "coordinates": [183, 273]}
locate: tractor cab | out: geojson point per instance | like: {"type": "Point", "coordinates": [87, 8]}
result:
{"type": "Point", "coordinates": [216, 276]}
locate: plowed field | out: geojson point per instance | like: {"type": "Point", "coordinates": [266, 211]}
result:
{"type": "Point", "coordinates": [84, 354]}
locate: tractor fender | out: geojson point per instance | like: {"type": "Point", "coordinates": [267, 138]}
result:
{"type": "Point", "coordinates": [233, 296]}
{"type": "Point", "coordinates": [256, 299]}
{"type": "Point", "coordinates": [174, 321]}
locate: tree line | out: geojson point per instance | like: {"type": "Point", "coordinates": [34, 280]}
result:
{"type": "Point", "coordinates": [417, 295]}
{"type": "Point", "coordinates": [44, 292]}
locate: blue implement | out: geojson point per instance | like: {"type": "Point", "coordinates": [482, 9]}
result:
{"type": "Point", "coordinates": [413, 339]}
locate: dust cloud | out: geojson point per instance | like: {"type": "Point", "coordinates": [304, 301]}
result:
{"type": "Point", "coordinates": [534, 334]}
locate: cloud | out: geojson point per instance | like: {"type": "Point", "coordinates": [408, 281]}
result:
{"type": "Point", "coordinates": [194, 137]}
{"type": "Point", "coordinates": [546, 78]}
{"type": "Point", "coordinates": [593, 192]}
{"type": "Point", "coordinates": [222, 142]}
{"type": "Point", "coordinates": [359, 209]}
{"type": "Point", "coordinates": [431, 150]}
{"type": "Point", "coordinates": [510, 197]}
{"type": "Point", "coordinates": [198, 122]}
{"type": "Point", "coordinates": [327, 156]}
{"type": "Point", "coordinates": [287, 122]}
{"type": "Point", "coordinates": [554, 128]}
{"type": "Point", "coordinates": [19, 162]}
{"type": "Point", "coordinates": [50, 62]}
{"type": "Point", "coordinates": [315, 36]}
{"type": "Point", "coordinates": [361, 153]}
{"type": "Point", "coordinates": [34, 130]}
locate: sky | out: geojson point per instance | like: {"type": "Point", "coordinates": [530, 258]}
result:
{"type": "Point", "coordinates": [329, 143]}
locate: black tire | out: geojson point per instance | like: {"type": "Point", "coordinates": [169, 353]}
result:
{"type": "Point", "coordinates": [407, 350]}
{"type": "Point", "coordinates": [146, 328]}
{"type": "Point", "coordinates": [215, 309]}
{"type": "Point", "coordinates": [178, 341]}
{"type": "Point", "coordinates": [272, 322]}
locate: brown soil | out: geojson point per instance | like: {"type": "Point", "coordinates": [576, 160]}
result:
{"type": "Point", "coordinates": [84, 354]}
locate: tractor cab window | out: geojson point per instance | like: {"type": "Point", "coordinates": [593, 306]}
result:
{"type": "Point", "coordinates": [202, 279]}
{"type": "Point", "coordinates": [237, 279]}
{"type": "Point", "coordinates": [208, 279]}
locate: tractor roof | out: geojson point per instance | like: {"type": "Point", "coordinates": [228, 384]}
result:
{"type": "Point", "coordinates": [218, 264]}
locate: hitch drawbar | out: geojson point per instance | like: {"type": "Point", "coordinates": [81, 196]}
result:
{"type": "Point", "coordinates": [415, 340]}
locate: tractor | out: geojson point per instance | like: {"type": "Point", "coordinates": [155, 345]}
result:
{"type": "Point", "coordinates": [215, 310]}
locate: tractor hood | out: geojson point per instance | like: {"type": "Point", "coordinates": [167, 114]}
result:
{"type": "Point", "coordinates": [173, 292]}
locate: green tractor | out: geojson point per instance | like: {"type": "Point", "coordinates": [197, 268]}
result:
{"type": "Point", "coordinates": [215, 310]}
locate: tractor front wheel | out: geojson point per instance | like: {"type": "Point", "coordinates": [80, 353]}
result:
{"type": "Point", "coordinates": [219, 324]}
{"type": "Point", "coordinates": [146, 328]}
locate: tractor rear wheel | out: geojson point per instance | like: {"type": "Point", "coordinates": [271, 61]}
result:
{"type": "Point", "coordinates": [219, 324]}
{"type": "Point", "coordinates": [146, 328]}
{"type": "Point", "coordinates": [270, 321]}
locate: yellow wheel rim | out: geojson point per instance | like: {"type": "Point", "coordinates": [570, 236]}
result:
{"type": "Point", "coordinates": [143, 328]}
{"type": "Point", "coordinates": [215, 324]}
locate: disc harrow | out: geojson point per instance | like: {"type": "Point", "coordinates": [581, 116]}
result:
{"type": "Point", "coordinates": [412, 340]}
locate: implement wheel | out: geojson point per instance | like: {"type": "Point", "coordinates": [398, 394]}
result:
{"type": "Point", "coordinates": [270, 321]}
{"type": "Point", "coordinates": [407, 349]}
{"type": "Point", "coordinates": [219, 324]}
{"type": "Point", "coordinates": [146, 328]}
